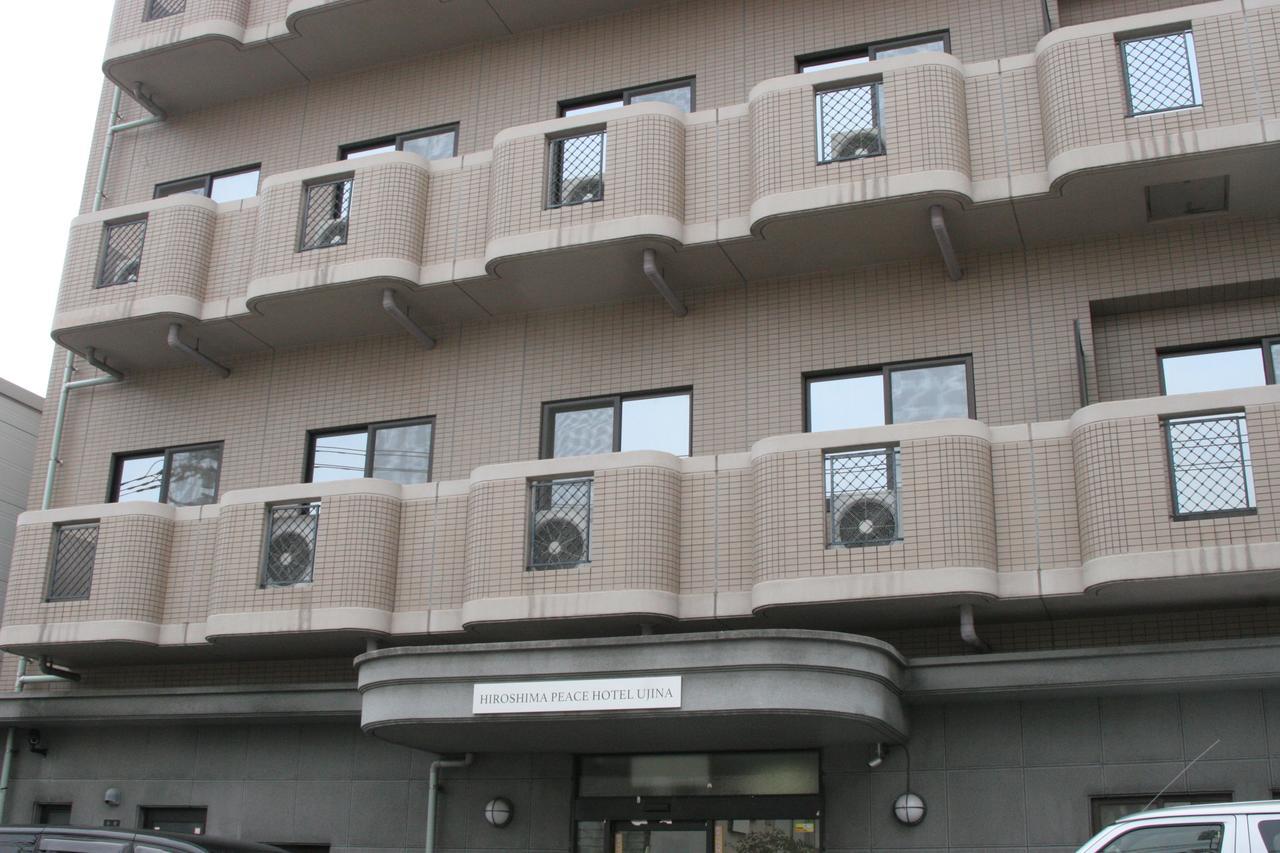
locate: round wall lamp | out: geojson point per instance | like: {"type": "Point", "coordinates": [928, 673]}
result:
{"type": "Point", "coordinates": [498, 812]}
{"type": "Point", "coordinates": [909, 809]}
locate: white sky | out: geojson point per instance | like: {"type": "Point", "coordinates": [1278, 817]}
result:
{"type": "Point", "coordinates": [53, 95]}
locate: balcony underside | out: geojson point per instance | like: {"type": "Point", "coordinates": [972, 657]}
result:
{"type": "Point", "coordinates": [217, 61]}
{"type": "Point", "coordinates": [1092, 204]}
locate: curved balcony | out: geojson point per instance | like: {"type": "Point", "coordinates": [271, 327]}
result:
{"type": "Point", "coordinates": [1125, 466]}
{"type": "Point", "coordinates": [336, 567]}
{"type": "Point", "coordinates": [213, 51]}
{"type": "Point", "coordinates": [622, 513]}
{"type": "Point", "coordinates": [920, 524]}
{"type": "Point", "coordinates": [117, 592]}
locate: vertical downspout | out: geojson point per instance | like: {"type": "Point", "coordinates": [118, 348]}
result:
{"type": "Point", "coordinates": [433, 782]}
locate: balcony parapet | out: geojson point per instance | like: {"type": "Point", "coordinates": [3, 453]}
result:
{"type": "Point", "coordinates": [1128, 528]}
{"type": "Point", "coordinates": [1084, 100]}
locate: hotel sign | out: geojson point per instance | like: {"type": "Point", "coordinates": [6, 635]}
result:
{"type": "Point", "coordinates": [596, 694]}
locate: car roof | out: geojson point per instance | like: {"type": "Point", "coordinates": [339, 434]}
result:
{"type": "Point", "coordinates": [126, 834]}
{"type": "Point", "coordinates": [1253, 807]}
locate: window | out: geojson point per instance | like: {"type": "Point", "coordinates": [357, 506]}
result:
{"type": "Point", "coordinates": [577, 169]}
{"type": "Point", "coordinates": [559, 522]}
{"type": "Point", "coordinates": [678, 93]}
{"type": "Point", "coordinates": [1108, 810]}
{"type": "Point", "coordinates": [1160, 72]}
{"type": "Point", "coordinates": [1209, 464]}
{"type": "Point", "coordinates": [231, 185]}
{"type": "Point", "coordinates": [1173, 838]}
{"type": "Point", "coordinates": [848, 122]}
{"type": "Point", "coordinates": [433, 143]}
{"type": "Point", "coordinates": [157, 9]}
{"type": "Point", "coordinates": [899, 393]}
{"type": "Point", "coordinates": [399, 451]}
{"type": "Point", "coordinates": [326, 214]}
{"type": "Point", "coordinates": [939, 42]}
{"type": "Point", "coordinates": [53, 814]}
{"type": "Point", "coordinates": [288, 557]}
{"type": "Point", "coordinates": [1269, 832]}
{"type": "Point", "coordinates": [187, 819]}
{"type": "Point", "coordinates": [75, 546]}
{"type": "Point", "coordinates": [862, 497]}
{"type": "Point", "coordinates": [120, 259]}
{"type": "Point", "coordinates": [1219, 368]}
{"type": "Point", "coordinates": [657, 420]}
{"type": "Point", "coordinates": [182, 476]}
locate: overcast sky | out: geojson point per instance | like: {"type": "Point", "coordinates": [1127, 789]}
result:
{"type": "Point", "coordinates": [54, 78]}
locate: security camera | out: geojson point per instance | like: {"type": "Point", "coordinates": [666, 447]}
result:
{"type": "Point", "coordinates": [877, 757]}
{"type": "Point", "coordinates": [35, 742]}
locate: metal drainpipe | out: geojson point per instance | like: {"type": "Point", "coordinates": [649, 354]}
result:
{"type": "Point", "coordinates": [68, 385]}
{"type": "Point", "coordinates": [100, 193]}
{"type": "Point", "coordinates": [968, 632]}
{"type": "Point", "coordinates": [433, 782]}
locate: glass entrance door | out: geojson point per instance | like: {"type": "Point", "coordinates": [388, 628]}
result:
{"type": "Point", "coordinates": [661, 837]}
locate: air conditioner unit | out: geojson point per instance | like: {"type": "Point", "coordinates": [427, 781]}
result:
{"type": "Point", "coordinates": [864, 519]}
{"type": "Point", "coordinates": [557, 540]}
{"type": "Point", "coordinates": [579, 190]}
{"type": "Point", "coordinates": [855, 143]}
{"type": "Point", "coordinates": [289, 559]}
{"type": "Point", "coordinates": [333, 233]}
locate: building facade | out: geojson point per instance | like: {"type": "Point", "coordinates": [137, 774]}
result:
{"type": "Point", "coordinates": [698, 424]}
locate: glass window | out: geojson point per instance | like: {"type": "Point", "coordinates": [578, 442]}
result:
{"type": "Point", "coordinates": [916, 393]}
{"type": "Point", "coordinates": [758, 836]}
{"type": "Point", "coordinates": [929, 393]}
{"type": "Point", "coordinates": [577, 169]}
{"type": "Point", "coordinates": [848, 122]}
{"type": "Point", "coordinates": [678, 93]}
{"type": "Point", "coordinates": [434, 143]}
{"type": "Point", "coordinates": [1160, 72]}
{"type": "Point", "coordinates": [232, 185]}
{"type": "Point", "coordinates": [1209, 462]}
{"type": "Point", "coordinates": [1269, 831]}
{"type": "Point", "coordinates": [182, 476]}
{"type": "Point", "coordinates": [1180, 838]}
{"type": "Point", "coordinates": [939, 42]}
{"type": "Point", "coordinates": [656, 423]}
{"type": "Point", "coordinates": [400, 452]}
{"type": "Point", "coordinates": [1213, 370]}
{"type": "Point", "coordinates": [1108, 810]}
{"type": "Point", "coordinates": [187, 819]}
{"type": "Point", "coordinates": [618, 423]}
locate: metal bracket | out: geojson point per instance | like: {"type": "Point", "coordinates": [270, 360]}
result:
{"type": "Point", "coordinates": [939, 223]}
{"type": "Point", "coordinates": [194, 354]}
{"type": "Point", "coordinates": [651, 271]}
{"type": "Point", "coordinates": [401, 316]}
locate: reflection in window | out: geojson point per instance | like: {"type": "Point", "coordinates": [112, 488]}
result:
{"type": "Point", "coordinates": [678, 93]}
{"type": "Point", "coordinates": [916, 393]}
{"type": "Point", "coordinates": [699, 774]}
{"type": "Point", "coordinates": [400, 452]}
{"type": "Point", "coordinates": [753, 836]}
{"type": "Point", "coordinates": [1160, 72]}
{"type": "Point", "coordinates": [1108, 810]}
{"type": "Point", "coordinates": [1181, 838]}
{"type": "Point", "coordinates": [434, 143]}
{"type": "Point", "coordinates": [617, 423]}
{"type": "Point", "coordinates": [846, 56]}
{"type": "Point", "coordinates": [182, 476]}
{"type": "Point", "coordinates": [1214, 370]}
{"type": "Point", "coordinates": [222, 186]}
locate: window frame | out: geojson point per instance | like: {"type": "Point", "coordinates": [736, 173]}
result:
{"type": "Point", "coordinates": [43, 809]}
{"type": "Point", "coordinates": [207, 180]}
{"type": "Point", "coordinates": [546, 434]}
{"type": "Point", "coordinates": [104, 250]}
{"type": "Point", "coordinates": [304, 209]}
{"type": "Point", "coordinates": [399, 139]}
{"type": "Point", "coordinates": [370, 430]}
{"type": "Point", "coordinates": [146, 811]}
{"type": "Point", "coordinates": [886, 370]}
{"type": "Point", "coordinates": [565, 106]}
{"type": "Point", "coordinates": [118, 460]}
{"type": "Point", "coordinates": [55, 545]}
{"type": "Point", "coordinates": [1262, 344]}
{"type": "Point", "coordinates": [867, 50]}
{"type": "Point", "coordinates": [555, 182]}
{"type": "Point", "coordinates": [1183, 28]}
{"type": "Point", "coordinates": [876, 86]}
{"type": "Point", "coordinates": [1171, 476]}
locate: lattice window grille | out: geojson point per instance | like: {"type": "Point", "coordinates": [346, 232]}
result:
{"type": "Point", "coordinates": [326, 215]}
{"type": "Point", "coordinates": [121, 258]}
{"type": "Point", "coordinates": [849, 123]}
{"type": "Point", "coordinates": [157, 9]}
{"type": "Point", "coordinates": [71, 573]}
{"type": "Point", "coordinates": [1160, 73]}
{"type": "Point", "coordinates": [862, 497]}
{"type": "Point", "coordinates": [559, 522]}
{"type": "Point", "coordinates": [1210, 465]}
{"type": "Point", "coordinates": [577, 170]}
{"type": "Point", "coordinates": [289, 553]}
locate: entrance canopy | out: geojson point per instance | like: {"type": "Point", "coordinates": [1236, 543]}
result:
{"type": "Point", "coordinates": [762, 689]}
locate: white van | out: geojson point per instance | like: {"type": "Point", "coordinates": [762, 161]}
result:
{"type": "Point", "coordinates": [1216, 828]}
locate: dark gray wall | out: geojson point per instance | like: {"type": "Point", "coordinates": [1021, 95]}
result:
{"type": "Point", "coordinates": [1013, 776]}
